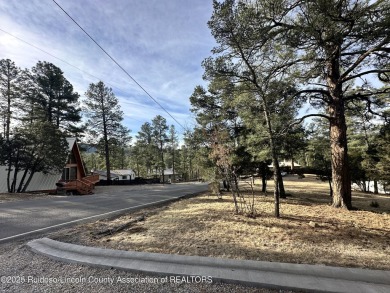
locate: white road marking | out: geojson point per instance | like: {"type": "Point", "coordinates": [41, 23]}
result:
{"type": "Point", "coordinates": [87, 218]}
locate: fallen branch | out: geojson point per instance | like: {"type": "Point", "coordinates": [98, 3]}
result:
{"type": "Point", "coordinates": [111, 231]}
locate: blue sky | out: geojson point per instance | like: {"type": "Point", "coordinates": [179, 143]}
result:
{"type": "Point", "coordinates": [160, 43]}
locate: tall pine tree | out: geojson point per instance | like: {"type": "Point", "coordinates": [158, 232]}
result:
{"type": "Point", "coordinates": [104, 118]}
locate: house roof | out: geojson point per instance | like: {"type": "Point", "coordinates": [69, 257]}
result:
{"type": "Point", "coordinates": [123, 172]}
{"type": "Point", "coordinates": [99, 172]}
{"type": "Point", "coordinates": [72, 144]}
{"type": "Point", "coordinates": [114, 173]}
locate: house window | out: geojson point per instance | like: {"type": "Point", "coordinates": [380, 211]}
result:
{"type": "Point", "coordinates": [72, 173]}
{"type": "Point", "coordinates": [65, 174]}
{"type": "Point", "coordinates": [71, 158]}
{"type": "Point", "coordinates": [124, 177]}
{"type": "Point", "coordinates": [69, 174]}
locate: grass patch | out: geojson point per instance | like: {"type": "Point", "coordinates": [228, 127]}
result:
{"type": "Point", "coordinates": [309, 230]}
{"type": "Point", "coordinates": [374, 204]}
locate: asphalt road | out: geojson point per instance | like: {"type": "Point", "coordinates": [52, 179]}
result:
{"type": "Point", "coordinates": [23, 218]}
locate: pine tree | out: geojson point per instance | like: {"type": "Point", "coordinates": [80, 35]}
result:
{"type": "Point", "coordinates": [54, 96]}
{"type": "Point", "coordinates": [160, 138]}
{"type": "Point", "coordinates": [327, 45]}
{"type": "Point", "coordinates": [173, 142]}
{"type": "Point", "coordinates": [104, 118]}
{"type": "Point", "coordinates": [145, 151]}
{"type": "Point", "coordinates": [9, 92]}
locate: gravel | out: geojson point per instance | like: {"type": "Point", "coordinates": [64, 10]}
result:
{"type": "Point", "coordinates": [21, 270]}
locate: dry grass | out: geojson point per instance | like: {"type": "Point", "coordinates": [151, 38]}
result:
{"type": "Point", "coordinates": [309, 230]}
{"type": "Point", "coordinates": [7, 197]}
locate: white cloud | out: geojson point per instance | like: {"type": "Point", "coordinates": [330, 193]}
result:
{"type": "Point", "coordinates": [160, 43]}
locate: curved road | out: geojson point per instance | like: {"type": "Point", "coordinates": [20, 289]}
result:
{"type": "Point", "coordinates": [23, 218]}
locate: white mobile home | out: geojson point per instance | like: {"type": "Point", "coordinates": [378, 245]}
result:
{"type": "Point", "coordinates": [127, 174]}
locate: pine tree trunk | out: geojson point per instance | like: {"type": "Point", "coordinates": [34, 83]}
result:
{"type": "Point", "coordinates": [106, 146]}
{"type": "Point", "coordinates": [276, 188]}
{"type": "Point", "coordinates": [282, 192]}
{"type": "Point", "coordinates": [264, 183]}
{"type": "Point", "coordinates": [230, 183]}
{"type": "Point", "coordinates": [16, 171]}
{"type": "Point", "coordinates": [275, 162]}
{"type": "Point", "coordinates": [263, 169]}
{"type": "Point", "coordinates": [8, 108]}
{"type": "Point", "coordinates": [28, 180]}
{"type": "Point", "coordinates": [162, 165]}
{"type": "Point", "coordinates": [32, 172]}
{"type": "Point", "coordinates": [376, 191]}
{"type": "Point", "coordinates": [20, 187]}
{"type": "Point", "coordinates": [9, 175]}
{"type": "Point", "coordinates": [190, 169]}
{"type": "Point", "coordinates": [107, 158]}
{"type": "Point", "coordinates": [173, 164]}
{"type": "Point", "coordinates": [8, 122]}
{"type": "Point", "coordinates": [341, 179]}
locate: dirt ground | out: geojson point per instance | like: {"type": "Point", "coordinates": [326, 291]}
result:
{"type": "Point", "coordinates": [6, 197]}
{"type": "Point", "coordinates": [309, 230]}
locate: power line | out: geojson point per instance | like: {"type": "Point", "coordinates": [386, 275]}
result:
{"type": "Point", "coordinates": [93, 40]}
{"type": "Point", "coordinates": [66, 62]}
